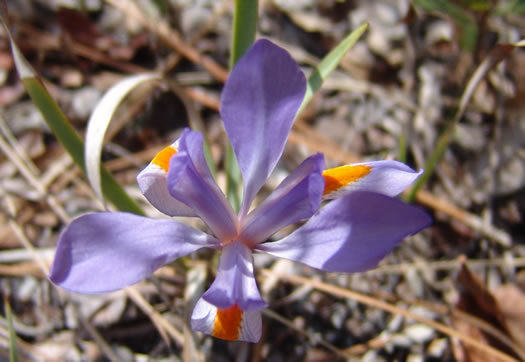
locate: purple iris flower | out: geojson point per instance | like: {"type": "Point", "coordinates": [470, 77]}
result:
{"type": "Point", "coordinates": [102, 252]}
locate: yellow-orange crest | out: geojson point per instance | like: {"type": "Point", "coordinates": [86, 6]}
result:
{"type": "Point", "coordinates": [228, 323]}
{"type": "Point", "coordinates": [338, 177]}
{"type": "Point", "coordinates": [162, 159]}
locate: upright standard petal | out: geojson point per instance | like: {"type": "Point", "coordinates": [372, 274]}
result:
{"type": "Point", "coordinates": [232, 324]}
{"type": "Point", "coordinates": [350, 234]}
{"type": "Point", "coordinates": [190, 182]}
{"type": "Point", "coordinates": [386, 177]}
{"type": "Point", "coordinates": [107, 251]}
{"type": "Point", "coordinates": [152, 183]}
{"type": "Point", "coordinates": [235, 283]}
{"type": "Point", "coordinates": [258, 105]}
{"type": "Point", "coordinates": [297, 198]}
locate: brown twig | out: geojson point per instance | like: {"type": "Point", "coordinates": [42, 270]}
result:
{"type": "Point", "coordinates": [373, 302]}
{"type": "Point", "coordinates": [162, 29]}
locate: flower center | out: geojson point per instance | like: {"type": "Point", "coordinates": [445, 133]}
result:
{"type": "Point", "coordinates": [248, 243]}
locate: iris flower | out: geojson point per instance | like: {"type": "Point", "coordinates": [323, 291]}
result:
{"type": "Point", "coordinates": [106, 251]}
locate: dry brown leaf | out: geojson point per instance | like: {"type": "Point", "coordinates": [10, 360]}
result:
{"type": "Point", "coordinates": [511, 303]}
{"type": "Point", "coordinates": [465, 353]}
{"type": "Point", "coordinates": [477, 300]}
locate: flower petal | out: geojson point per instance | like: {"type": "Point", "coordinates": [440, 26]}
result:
{"type": "Point", "coordinates": [235, 283]}
{"type": "Point", "coordinates": [386, 177]}
{"type": "Point", "coordinates": [190, 181]}
{"type": "Point", "coordinates": [152, 183]}
{"type": "Point", "coordinates": [258, 105]}
{"type": "Point", "coordinates": [232, 324]}
{"type": "Point", "coordinates": [106, 251]}
{"type": "Point", "coordinates": [297, 198]}
{"type": "Point", "coordinates": [350, 234]}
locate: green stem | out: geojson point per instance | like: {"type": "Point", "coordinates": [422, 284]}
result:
{"type": "Point", "coordinates": [403, 147]}
{"type": "Point", "coordinates": [244, 27]}
{"type": "Point", "coordinates": [432, 161]}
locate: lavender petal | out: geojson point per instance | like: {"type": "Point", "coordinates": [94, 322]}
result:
{"type": "Point", "coordinates": [102, 252]}
{"type": "Point", "coordinates": [350, 234]}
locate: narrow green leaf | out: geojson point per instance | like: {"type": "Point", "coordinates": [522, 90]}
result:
{"type": "Point", "coordinates": [55, 118]}
{"type": "Point", "coordinates": [13, 353]}
{"type": "Point", "coordinates": [59, 124]}
{"type": "Point", "coordinates": [329, 63]}
{"type": "Point", "coordinates": [496, 55]}
{"type": "Point", "coordinates": [244, 26]}
{"type": "Point", "coordinates": [233, 178]}
{"type": "Point", "coordinates": [402, 155]}
{"type": "Point", "coordinates": [69, 138]}
{"type": "Point", "coordinates": [25, 70]}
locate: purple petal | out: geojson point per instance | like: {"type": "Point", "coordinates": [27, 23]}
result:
{"type": "Point", "coordinates": [297, 198]}
{"type": "Point", "coordinates": [387, 177]}
{"type": "Point", "coordinates": [258, 105]}
{"type": "Point", "coordinates": [205, 316]}
{"type": "Point", "coordinates": [152, 183]}
{"type": "Point", "coordinates": [190, 181]}
{"type": "Point", "coordinates": [235, 283]}
{"type": "Point", "coordinates": [102, 252]}
{"type": "Point", "coordinates": [350, 234]}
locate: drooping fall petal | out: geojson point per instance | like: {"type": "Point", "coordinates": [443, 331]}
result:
{"type": "Point", "coordinates": [190, 182]}
{"type": "Point", "coordinates": [350, 234]}
{"type": "Point", "coordinates": [297, 198]}
{"type": "Point", "coordinates": [232, 324]}
{"type": "Point", "coordinates": [152, 184]}
{"type": "Point", "coordinates": [386, 177]}
{"type": "Point", "coordinates": [107, 251]}
{"type": "Point", "coordinates": [235, 283]}
{"type": "Point", "coordinates": [258, 105]}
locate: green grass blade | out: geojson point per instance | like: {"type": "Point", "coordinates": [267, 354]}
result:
{"type": "Point", "coordinates": [69, 138]}
{"type": "Point", "coordinates": [244, 26]}
{"type": "Point", "coordinates": [59, 124]}
{"type": "Point", "coordinates": [329, 63]}
{"type": "Point", "coordinates": [55, 119]}
{"type": "Point", "coordinates": [233, 178]}
{"type": "Point", "coordinates": [402, 152]}
{"type": "Point", "coordinates": [13, 353]}
{"type": "Point", "coordinates": [496, 55]}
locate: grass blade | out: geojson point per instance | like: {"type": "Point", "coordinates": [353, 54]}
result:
{"type": "Point", "coordinates": [60, 125]}
{"type": "Point", "coordinates": [496, 55]}
{"type": "Point", "coordinates": [329, 63]}
{"type": "Point", "coordinates": [244, 26]}
{"type": "Point", "coordinates": [13, 352]}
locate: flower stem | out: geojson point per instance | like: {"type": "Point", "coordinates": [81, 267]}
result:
{"type": "Point", "coordinates": [244, 26]}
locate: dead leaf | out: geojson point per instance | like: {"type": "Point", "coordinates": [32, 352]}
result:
{"type": "Point", "coordinates": [476, 300]}
{"type": "Point", "coordinates": [465, 353]}
{"type": "Point", "coordinates": [511, 303]}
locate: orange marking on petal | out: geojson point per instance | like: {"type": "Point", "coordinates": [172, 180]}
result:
{"type": "Point", "coordinates": [228, 323]}
{"type": "Point", "coordinates": [162, 159]}
{"type": "Point", "coordinates": [338, 177]}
